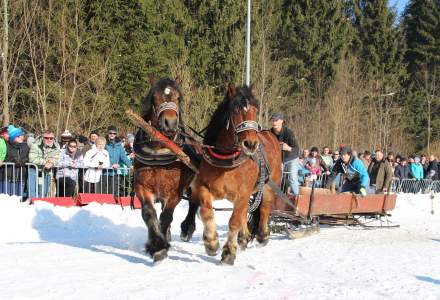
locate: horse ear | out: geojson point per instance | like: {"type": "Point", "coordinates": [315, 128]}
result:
{"type": "Point", "coordinates": [232, 91]}
{"type": "Point", "coordinates": [152, 80]}
{"type": "Point", "coordinates": [253, 89]}
{"type": "Point", "coordinates": [178, 80]}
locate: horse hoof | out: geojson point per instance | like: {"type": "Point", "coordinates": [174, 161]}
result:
{"type": "Point", "coordinates": [186, 232]}
{"type": "Point", "coordinates": [160, 255]}
{"type": "Point", "coordinates": [262, 241]}
{"type": "Point", "coordinates": [227, 259]}
{"type": "Point", "coordinates": [185, 237]}
{"type": "Point", "coordinates": [243, 244]}
{"type": "Point", "coordinates": [212, 250]}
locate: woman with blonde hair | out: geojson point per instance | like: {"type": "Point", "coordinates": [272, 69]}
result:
{"type": "Point", "coordinates": [96, 159]}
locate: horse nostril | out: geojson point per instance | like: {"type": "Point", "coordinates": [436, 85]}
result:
{"type": "Point", "coordinates": [250, 145]}
{"type": "Point", "coordinates": [170, 123]}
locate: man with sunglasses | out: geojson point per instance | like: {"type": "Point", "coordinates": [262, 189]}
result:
{"type": "Point", "coordinates": [45, 154]}
{"type": "Point", "coordinates": [118, 157]}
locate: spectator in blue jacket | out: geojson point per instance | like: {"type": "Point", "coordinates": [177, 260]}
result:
{"type": "Point", "coordinates": [356, 176]}
{"type": "Point", "coordinates": [118, 157]}
{"type": "Point", "coordinates": [416, 168]}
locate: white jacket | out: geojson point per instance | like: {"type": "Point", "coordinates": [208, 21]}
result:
{"type": "Point", "coordinates": [91, 160]}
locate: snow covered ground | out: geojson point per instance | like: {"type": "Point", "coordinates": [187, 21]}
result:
{"type": "Point", "coordinates": [97, 252]}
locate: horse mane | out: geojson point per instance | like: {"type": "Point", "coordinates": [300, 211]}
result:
{"type": "Point", "coordinates": [219, 119]}
{"type": "Point", "coordinates": [160, 85]}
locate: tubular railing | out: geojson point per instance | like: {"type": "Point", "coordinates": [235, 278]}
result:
{"type": "Point", "coordinates": [33, 181]}
{"type": "Point", "coordinates": [415, 186]}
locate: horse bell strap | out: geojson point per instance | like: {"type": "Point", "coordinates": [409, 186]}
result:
{"type": "Point", "coordinates": [263, 177]}
{"type": "Point", "coordinates": [248, 125]}
{"type": "Point", "coordinates": [167, 106]}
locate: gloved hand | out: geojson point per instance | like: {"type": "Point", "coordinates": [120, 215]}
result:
{"type": "Point", "coordinates": [362, 192]}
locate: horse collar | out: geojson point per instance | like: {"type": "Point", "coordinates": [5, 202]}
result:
{"type": "Point", "coordinates": [229, 160]}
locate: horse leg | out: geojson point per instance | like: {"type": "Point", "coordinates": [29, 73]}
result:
{"type": "Point", "coordinates": [210, 236]}
{"type": "Point", "coordinates": [243, 236]}
{"type": "Point", "coordinates": [166, 217]}
{"type": "Point", "coordinates": [157, 245]}
{"type": "Point", "coordinates": [188, 225]}
{"type": "Point", "coordinates": [265, 210]}
{"type": "Point", "coordinates": [236, 222]}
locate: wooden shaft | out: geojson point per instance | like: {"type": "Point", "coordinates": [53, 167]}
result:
{"type": "Point", "coordinates": [157, 136]}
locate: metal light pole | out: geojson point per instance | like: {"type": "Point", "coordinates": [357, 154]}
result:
{"type": "Point", "coordinates": [248, 45]}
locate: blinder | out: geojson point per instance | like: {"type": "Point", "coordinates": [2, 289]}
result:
{"type": "Point", "coordinates": [247, 125]}
{"type": "Point", "coordinates": [167, 106]}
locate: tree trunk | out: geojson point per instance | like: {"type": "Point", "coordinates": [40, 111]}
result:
{"type": "Point", "coordinates": [5, 64]}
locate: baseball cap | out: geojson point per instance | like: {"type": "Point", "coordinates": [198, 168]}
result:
{"type": "Point", "coordinates": [277, 116]}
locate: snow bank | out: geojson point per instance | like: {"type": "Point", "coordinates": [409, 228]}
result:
{"type": "Point", "coordinates": [97, 251]}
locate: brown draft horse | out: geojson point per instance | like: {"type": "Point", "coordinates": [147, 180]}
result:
{"type": "Point", "coordinates": [158, 175]}
{"type": "Point", "coordinates": [234, 127]}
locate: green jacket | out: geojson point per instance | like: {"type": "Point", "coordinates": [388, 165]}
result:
{"type": "Point", "coordinates": [3, 149]}
{"type": "Point", "coordinates": [40, 154]}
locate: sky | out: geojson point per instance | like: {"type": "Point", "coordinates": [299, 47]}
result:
{"type": "Point", "coordinates": [400, 5]}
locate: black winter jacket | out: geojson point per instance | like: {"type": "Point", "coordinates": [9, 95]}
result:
{"type": "Point", "coordinates": [432, 172]}
{"type": "Point", "coordinates": [18, 153]}
{"type": "Point", "coordinates": [402, 172]}
{"type": "Point", "coordinates": [286, 136]}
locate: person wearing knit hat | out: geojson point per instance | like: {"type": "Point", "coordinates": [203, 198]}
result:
{"type": "Point", "coordinates": [18, 154]}
{"type": "Point", "coordinates": [15, 133]}
{"type": "Point", "coordinates": [65, 137]}
{"type": "Point", "coordinates": [356, 175]}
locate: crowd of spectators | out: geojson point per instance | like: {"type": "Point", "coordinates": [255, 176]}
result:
{"type": "Point", "coordinates": [381, 169]}
{"type": "Point", "coordinates": [31, 165]}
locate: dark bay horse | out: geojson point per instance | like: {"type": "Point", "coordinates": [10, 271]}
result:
{"type": "Point", "coordinates": [159, 175]}
{"type": "Point", "coordinates": [234, 132]}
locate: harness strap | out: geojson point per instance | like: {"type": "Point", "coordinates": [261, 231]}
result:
{"type": "Point", "coordinates": [232, 155]}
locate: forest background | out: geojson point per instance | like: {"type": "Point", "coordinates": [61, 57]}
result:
{"type": "Point", "coordinates": [350, 72]}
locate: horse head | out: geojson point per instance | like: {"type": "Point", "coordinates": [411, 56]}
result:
{"type": "Point", "coordinates": [243, 117]}
{"type": "Point", "coordinates": [162, 107]}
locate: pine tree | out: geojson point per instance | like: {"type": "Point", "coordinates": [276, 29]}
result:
{"type": "Point", "coordinates": [313, 36]}
{"type": "Point", "coordinates": [215, 41]}
{"type": "Point", "coordinates": [378, 43]}
{"type": "Point", "coordinates": [421, 22]}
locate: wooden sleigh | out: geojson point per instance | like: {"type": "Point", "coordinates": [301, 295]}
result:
{"type": "Point", "coordinates": [324, 207]}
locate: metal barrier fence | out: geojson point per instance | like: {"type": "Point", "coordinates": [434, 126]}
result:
{"type": "Point", "coordinates": [33, 181]}
{"type": "Point", "coordinates": [423, 186]}
{"type": "Point", "coordinates": [412, 186]}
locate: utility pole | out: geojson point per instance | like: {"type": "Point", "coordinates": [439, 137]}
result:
{"type": "Point", "coordinates": [248, 45]}
{"type": "Point", "coordinates": [5, 64]}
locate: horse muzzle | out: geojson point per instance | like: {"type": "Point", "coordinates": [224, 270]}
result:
{"type": "Point", "coordinates": [249, 147]}
{"type": "Point", "coordinates": [169, 125]}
